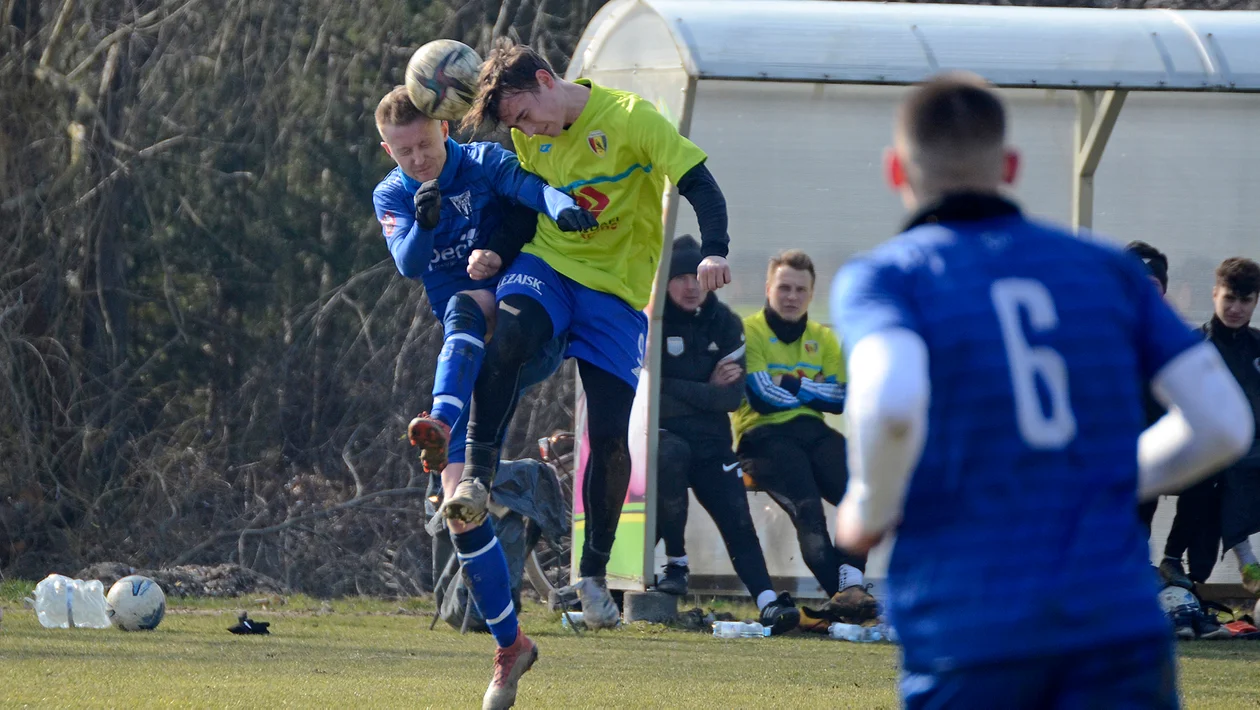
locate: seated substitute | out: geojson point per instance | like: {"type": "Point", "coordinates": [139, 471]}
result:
{"type": "Point", "coordinates": [795, 376]}
{"type": "Point", "coordinates": [702, 381]}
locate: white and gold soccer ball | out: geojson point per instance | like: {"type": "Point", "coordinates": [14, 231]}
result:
{"type": "Point", "coordinates": [135, 603]}
{"type": "Point", "coordinates": [442, 79]}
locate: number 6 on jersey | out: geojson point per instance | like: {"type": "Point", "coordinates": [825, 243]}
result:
{"type": "Point", "coordinates": [1039, 429]}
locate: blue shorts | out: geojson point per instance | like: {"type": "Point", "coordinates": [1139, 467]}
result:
{"type": "Point", "coordinates": [1134, 674]}
{"type": "Point", "coordinates": [537, 369]}
{"type": "Point", "coordinates": [602, 329]}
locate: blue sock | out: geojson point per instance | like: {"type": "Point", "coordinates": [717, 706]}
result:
{"type": "Point", "coordinates": [487, 570]}
{"type": "Point", "coordinates": [461, 357]}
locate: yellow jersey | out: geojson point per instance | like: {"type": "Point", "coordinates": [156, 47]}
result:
{"type": "Point", "coordinates": [814, 357]}
{"type": "Point", "coordinates": [614, 160]}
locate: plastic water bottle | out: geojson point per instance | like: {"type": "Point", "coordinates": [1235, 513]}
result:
{"type": "Point", "coordinates": [61, 602]}
{"type": "Point", "coordinates": [87, 600]}
{"type": "Point", "coordinates": [855, 633]}
{"type": "Point", "coordinates": [739, 629]}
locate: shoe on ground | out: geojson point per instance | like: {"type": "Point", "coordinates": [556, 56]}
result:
{"type": "Point", "coordinates": [780, 615]}
{"type": "Point", "coordinates": [853, 605]}
{"type": "Point", "coordinates": [1207, 627]}
{"type": "Point", "coordinates": [674, 581]}
{"type": "Point", "coordinates": [1173, 573]}
{"type": "Point", "coordinates": [1251, 578]}
{"type": "Point", "coordinates": [468, 504]}
{"type": "Point", "coordinates": [509, 665]}
{"type": "Point", "coordinates": [599, 611]}
{"type": "Point", "coordinates": [1183, 620]}
{"type": "Point", "coordinates": [433, 437]}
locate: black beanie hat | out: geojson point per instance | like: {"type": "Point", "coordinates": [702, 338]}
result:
{"type": "Point", "coordinates": [1155, 261]}
{"type": "Point", "coordinates": [686, 258]}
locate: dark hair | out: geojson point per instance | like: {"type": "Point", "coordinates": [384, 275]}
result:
{"type": "Point", "coordinates": [793, 259]}
{"type": "Point", "coordinates": [510, 69]}
{"type": "Point", "coordinates": [1240, 275]}
{"type": "Point", "coordinates": [1155, 260]}
{"type": "Point", "coordinates": [396, 109]}
{"type": "Point", "coordinates": [953, 114]}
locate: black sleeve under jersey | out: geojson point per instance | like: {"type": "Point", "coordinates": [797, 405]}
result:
{"type": "Point", "coordinates": [515, 231]}
{"type": "Point", "coordinates": [700, 189]}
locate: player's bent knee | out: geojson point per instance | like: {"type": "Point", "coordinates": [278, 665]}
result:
{"type": "Point", "coordinates": [464, 314]}
{"type": "Point", "coordinates": [485, 299]}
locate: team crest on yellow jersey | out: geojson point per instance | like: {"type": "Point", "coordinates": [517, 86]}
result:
{"type": "Point", "coordinates": [811, 346]}
{"type": "Point", "coordinates": [598, 142]}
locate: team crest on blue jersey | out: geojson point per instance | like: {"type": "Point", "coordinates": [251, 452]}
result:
{"type": "Point", "coordinates": [388, 222]}
{"type": "Point", "coordinates": [463, 203]}
{"type": "Point", "coordinates": [811, 346]}
{"type": "Point", "coordinates": [598, 142]}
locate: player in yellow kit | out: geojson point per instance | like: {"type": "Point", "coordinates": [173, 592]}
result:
{"type": "Point", "coordinates": [613, 152]}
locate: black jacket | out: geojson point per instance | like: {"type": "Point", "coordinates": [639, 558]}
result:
{"type": "Point", "coordinates": [1240, 500]}
{"type": "Point", "coordinates": [692, 346]}
{"type": "Point", "coordinates": [1240, 348]}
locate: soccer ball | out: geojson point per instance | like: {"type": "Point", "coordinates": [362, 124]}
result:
{"type": "Point", "coordinates": [442, 79]}
{"type": "Point", "coordinates": [135, 603]}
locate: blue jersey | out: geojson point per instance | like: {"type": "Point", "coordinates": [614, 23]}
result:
{"type": "Point", "coordinates": [1020, 535]}
{"type": "Point", "coordinates": [477, 183]}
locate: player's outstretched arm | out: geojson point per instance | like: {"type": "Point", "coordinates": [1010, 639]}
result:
{"type": "Point", "coordinates": [887, 423]}
{"type": "Point", "coordinates": [1208, 425]}
{"type": "Point", "coordinates": [699, 188]}
{"type": "Point", "coordinates": [409, 244]}
{"type": "Point", "coordinates": [510, 180]}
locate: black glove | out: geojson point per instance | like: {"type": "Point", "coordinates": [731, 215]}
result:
{"type": "Point", "coordinates": [576, 219]}
{"type": "Point", "coordinates": [247, 625]}
{"type": "Point", "coordinates": [428, 205]}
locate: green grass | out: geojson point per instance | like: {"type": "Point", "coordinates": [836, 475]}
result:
{"type": "Point", "coordinates": [375, 653]}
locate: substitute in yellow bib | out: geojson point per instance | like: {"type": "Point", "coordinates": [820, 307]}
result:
{"type": "Point", "coordinates": [795, 374]}
{"type": "Point", "coordinates": [614, 153]}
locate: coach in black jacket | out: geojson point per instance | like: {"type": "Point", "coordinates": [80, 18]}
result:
{"type": "Point", "coordinates": [702, 382]}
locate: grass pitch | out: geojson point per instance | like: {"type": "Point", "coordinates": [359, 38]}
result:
{"type": "Point", "coordinates": [376, 653]}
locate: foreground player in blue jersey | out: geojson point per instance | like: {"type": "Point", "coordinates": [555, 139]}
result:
{"type": "Point", "coordinates": [454, 216]}
{"type": "Point", "coordinates": [996, 424]}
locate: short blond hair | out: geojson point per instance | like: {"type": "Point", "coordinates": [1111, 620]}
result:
{"type": "Point", "coordinates": [793, 259]}
{"type": "Point", "coordinates": [396, 109]}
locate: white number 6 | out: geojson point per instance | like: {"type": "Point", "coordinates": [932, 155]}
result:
{"type": "Point", "coordinates": [1039, 429]}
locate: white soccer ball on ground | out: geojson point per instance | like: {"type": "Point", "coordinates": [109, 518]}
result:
{"type": "Point", "coordinates": [135, 603]}
{"type": "Point", "coordinates": [442, 79]}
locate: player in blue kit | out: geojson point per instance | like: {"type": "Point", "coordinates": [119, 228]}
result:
{"type": "Point", "coordinates": [454, 216]}
{"type": "Point", "coordinates": [995, 423]}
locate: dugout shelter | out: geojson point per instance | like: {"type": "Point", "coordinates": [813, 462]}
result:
{"type": "Point", "coordinates": [1143, 124]}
